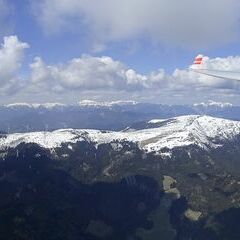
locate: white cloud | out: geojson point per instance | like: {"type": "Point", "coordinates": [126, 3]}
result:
{"type": "Point", "coordinates": [230, 63]}
{"type": "Point", "coordinates": [185, 23]}
{"type": "Point", "coordinates": [103, 77]}
{"type": "Point", "coordinates": [11, 56]}
{"type": "Point", "coordinates": [88, 73]}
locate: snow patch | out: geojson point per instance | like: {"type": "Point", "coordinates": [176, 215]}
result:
{"type": "Point", "coordinates": [153, 121]}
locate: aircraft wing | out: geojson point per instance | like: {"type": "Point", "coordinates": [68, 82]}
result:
{"type": "Point", "coordinates": [199, 67]}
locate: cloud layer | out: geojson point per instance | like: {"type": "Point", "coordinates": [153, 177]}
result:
{"type": "Point", "coordinates": [91, 73]}
{"type": "Point", "coordinates": [96, 73]}
{"type": "Point", "coordinates": [106, 77]}
{"type": "Point", "coordinates": [210, 22]}
{"type": "Point", "coordinates": [11, 57]}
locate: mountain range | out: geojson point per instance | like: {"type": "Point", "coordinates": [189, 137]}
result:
{"type": "Point", "coordinates": [175, 178]}
{"type": "Point", "coordinates": [24, 117]}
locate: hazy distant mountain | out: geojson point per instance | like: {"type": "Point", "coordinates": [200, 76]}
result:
{"type": "Point", "coordinates": [23, 117]}
{"type": "Point", "coordinates": [177, 178]}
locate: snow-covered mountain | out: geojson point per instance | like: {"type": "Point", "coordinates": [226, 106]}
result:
{"type": "Point", "coordinates": [180, 172]}
{"type": "Point", "coordinates": [33, 105]}
{"type": "Point", "coordinates": [87, 114]}
{"type": "Point", "coordinates": [99, 104]}
{"type": "Point", "coordinates": [211, 103]}
{"type": "Point", "coordinates": [202, 131]}
{"type": "Point", "coordinates": [80, 104]}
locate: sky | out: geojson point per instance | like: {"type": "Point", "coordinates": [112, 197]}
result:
{"type": "Point", "coordinates": [70, 50]}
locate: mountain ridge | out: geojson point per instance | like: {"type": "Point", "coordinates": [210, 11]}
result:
{"type": "Point", "coordinates": [203, 131]}
{"type": "Point", "coordinates": [115, 116]}
{"type": "Point", "coordinates": [193, 186]}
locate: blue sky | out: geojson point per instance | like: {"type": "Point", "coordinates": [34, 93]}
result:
{"type": "Point", "coordinates": [67, 50]}
{"type": "Point", "coordinates": [140, 54]}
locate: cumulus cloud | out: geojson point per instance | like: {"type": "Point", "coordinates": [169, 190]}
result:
{"type": "Point", "coordinates": [223, 67]}
{"type": "Point", "coordinates": [186, 80]}
{"type": "Point", "coordinates": [88, 73]}
{"type": "Point", "coordinates": [186, 23]}
{"type": "Point", "coordinates": [230, 63]}
{"type": "Point", "coordinates": [107, 78]}
{"type": "Point", "coordinates": [11, 56]}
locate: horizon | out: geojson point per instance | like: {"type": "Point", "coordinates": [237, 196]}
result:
{"type": "Point", "coordinates": [90, 102]}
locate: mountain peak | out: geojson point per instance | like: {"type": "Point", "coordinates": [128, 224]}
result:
{"type": "Point", "coordinates": [211, 103]}
{"type": "Point", "coordinates": [91, 103]}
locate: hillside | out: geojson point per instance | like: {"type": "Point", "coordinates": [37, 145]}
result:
{"type": "Point", "coordinates": [177, 178]}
